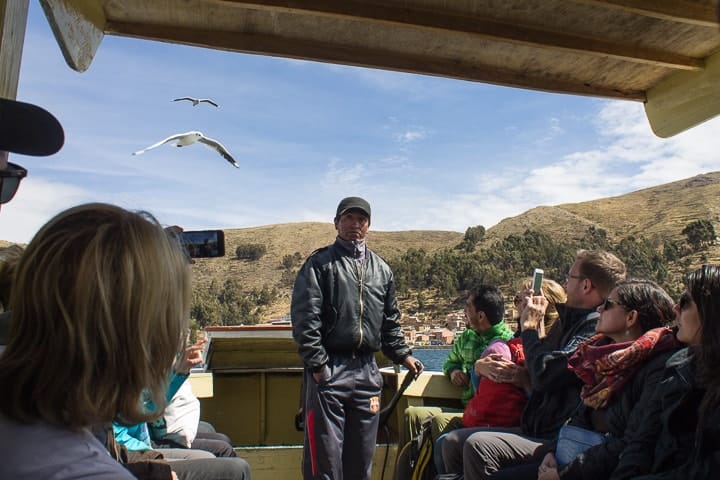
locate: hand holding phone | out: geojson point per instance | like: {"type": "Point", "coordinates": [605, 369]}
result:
{"type": "Point", "coordinates": [204, 243]}
{"type": "Point", "coordinates": [537, 281]}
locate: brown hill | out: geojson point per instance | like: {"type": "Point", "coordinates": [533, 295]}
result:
{"type": "Point", "coordinates": [303, 238]}
{"type": "Point", "coordinates": [663, 210]}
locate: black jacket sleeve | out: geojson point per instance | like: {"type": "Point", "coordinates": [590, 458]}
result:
{"type": "Point", "coordinates": [547, 366]}
{"type": "Point", "coordinates": [305, 312]}
{"type": "Point", "coordinates": [393, 340]}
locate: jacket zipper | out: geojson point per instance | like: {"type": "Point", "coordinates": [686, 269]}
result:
{"type": "Point", "coordinates": [359, 268]}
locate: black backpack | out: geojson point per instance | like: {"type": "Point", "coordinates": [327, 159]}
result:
{"type": "Point", "coordinates": [415, 461]}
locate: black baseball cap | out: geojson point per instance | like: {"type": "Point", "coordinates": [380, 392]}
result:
{"type": "Point", "coordinates": [28, 129]}
{"type": "Point", "coordinates": [349, 203]}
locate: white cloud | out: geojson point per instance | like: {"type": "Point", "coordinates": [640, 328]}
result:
{"type": "Point", "coordinates": [36, 202]}
{"type": "Point", "coordinates": [410, 136]}
{"type": "Point", "coordinates": [344, 175]}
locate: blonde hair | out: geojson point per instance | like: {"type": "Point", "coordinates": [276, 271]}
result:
{"type": "Point", "coordinates": [554, 292]}
{"type": "Point", "coordinates": [99, 309]}
{"type": "Point", "coordinates": [9, 257]}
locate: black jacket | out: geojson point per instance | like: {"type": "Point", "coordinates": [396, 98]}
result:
{"type": "Point", "coordinates": [555, 389]}
{"type": "Point", "coordinates": [623, 416]}
{"type": "Point", "coordinates": [669, 443]}
{"type": "Point", "coordinates": [342, 306]}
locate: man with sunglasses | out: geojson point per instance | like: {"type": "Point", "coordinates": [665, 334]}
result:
{"type": "Point", "coordinates": [25, 129]}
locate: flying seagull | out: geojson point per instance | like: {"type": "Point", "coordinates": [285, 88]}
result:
{"type": "Point", "coordinates": [195, 101]}
{"type": "Point", "coordinates": [188, 138]}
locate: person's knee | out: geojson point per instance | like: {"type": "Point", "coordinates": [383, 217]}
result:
{"type": "Point", "coordinates": [232, 468]}
{"type": "Point", "coordinates": [450, 444]}
{"type": "Point", "coordinates": [241, 468]}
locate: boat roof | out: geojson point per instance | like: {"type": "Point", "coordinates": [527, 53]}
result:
{"type": "Point", "coordinates": [660, 52]}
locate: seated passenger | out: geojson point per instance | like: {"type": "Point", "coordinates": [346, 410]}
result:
{"type": "Point", "coordinates": [620, 368]}
{"type": "Point", "coordinates": [498, 402]}
{"type": "Point", "coordinates": [679, 434]}
{"type": "Point", "coordinates": [484, 311]}
{"type": "Point", "coordinates": [139, 437]}
{"type": "Point", "coordinates": [555, 390]}
{"type": "Point", "coordinates": [180, 427]}
{"type": "Point", "coordinates": [100, 304]}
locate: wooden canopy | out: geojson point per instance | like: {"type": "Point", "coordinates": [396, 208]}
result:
{"type": "Point", "coordinates": [661, 52]}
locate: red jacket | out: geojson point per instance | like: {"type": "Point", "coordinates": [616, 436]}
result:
{"type": "Point", "coordinates": [497, 404]}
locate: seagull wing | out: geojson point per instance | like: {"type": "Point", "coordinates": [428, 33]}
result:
{"type": "Point", "coordinates": [217, 146]}
{"type": "Point", "coordinates": [161, 142]}
{"type": "Point", "coordinates": [184, 98]}
{"type": "Point", "coordinates": [207, 100]}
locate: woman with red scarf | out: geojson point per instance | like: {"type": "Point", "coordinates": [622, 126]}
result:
{"type": "Point", "coordinates": [619, 367]}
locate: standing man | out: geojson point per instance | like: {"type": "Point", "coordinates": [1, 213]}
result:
{"type": "Point", "coordinates": [344, 310]}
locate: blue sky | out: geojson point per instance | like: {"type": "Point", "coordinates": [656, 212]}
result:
{"type": "Point", "coordinates": [428, 153]}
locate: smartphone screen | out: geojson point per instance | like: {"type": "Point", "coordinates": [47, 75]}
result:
{"type": "Point", "coordinates": [203, 243]}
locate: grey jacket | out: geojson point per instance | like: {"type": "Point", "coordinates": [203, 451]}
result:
{"type": "Point", "coordinates": [342, 306]}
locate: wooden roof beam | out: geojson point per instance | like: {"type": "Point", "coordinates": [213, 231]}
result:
{"type": "Point", "coordinates": [13, 19]}
{"type": "Point", "coordinates": [78, 29]}
{"type": "Point", "coordinates": [680, 11]}
{"type": "Point", "coordinates": [684, 100]}
{"type": "Point", "coordinates": [360, 10]}
{"type": "Point", "coordinates": [360, 56]}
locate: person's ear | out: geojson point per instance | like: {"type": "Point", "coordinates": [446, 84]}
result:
{"type": "Point", "coordinates": [632, 319]}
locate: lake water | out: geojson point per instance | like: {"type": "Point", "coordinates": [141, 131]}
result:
{"type": "Point", "coordinates": [432, 358]}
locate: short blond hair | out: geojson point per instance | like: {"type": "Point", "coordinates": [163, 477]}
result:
{"type": "Point", "coordinates": [100, 304]}
{"type": "Point", "coordinates": [602, 268]}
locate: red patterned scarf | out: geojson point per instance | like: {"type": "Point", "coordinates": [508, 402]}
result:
{"type": "Point", "coordinates": [604, 367]}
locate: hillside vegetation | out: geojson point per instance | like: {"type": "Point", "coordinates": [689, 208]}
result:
{"type": "Point", "coordinates": [644, 228]}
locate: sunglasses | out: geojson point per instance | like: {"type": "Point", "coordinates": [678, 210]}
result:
{"type": "Point", "coordinates": [10, 181]}
{"type": "Point", "coordinates": [568, 276]}
{"type": "Point", "coordinates": [608, 304]}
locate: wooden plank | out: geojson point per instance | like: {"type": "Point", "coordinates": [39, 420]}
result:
{"type": "Point", "coordinates": [202, 384]}
{"type": "Point", "coordinates": [684, 100]}
{"type": "Point", "coordinates": [13, 18]}
{"type": "Point", "coordinates": [249, 353]}
{"type": "Point", "coordinates": [681, 11]}
{"type": "Point", "coordinates": [358, 55]}
{"type": "Point", "coordinates": [78, 28]}
{"type": "Point", "coordinates": [283, 463]}
{"type": "Point", "coordinates": [477, 26]}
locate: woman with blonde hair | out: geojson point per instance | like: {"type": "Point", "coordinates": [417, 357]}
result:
{"type": "Point", "coordinates": [555, 294]}
{"type": "Point", "coordinates": [99, 304]}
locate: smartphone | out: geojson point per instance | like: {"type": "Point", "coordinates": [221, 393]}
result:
{"type": "Point", "coordinates": [203, 243]}
{"type": "Point", "coordinates": [537, 280]}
